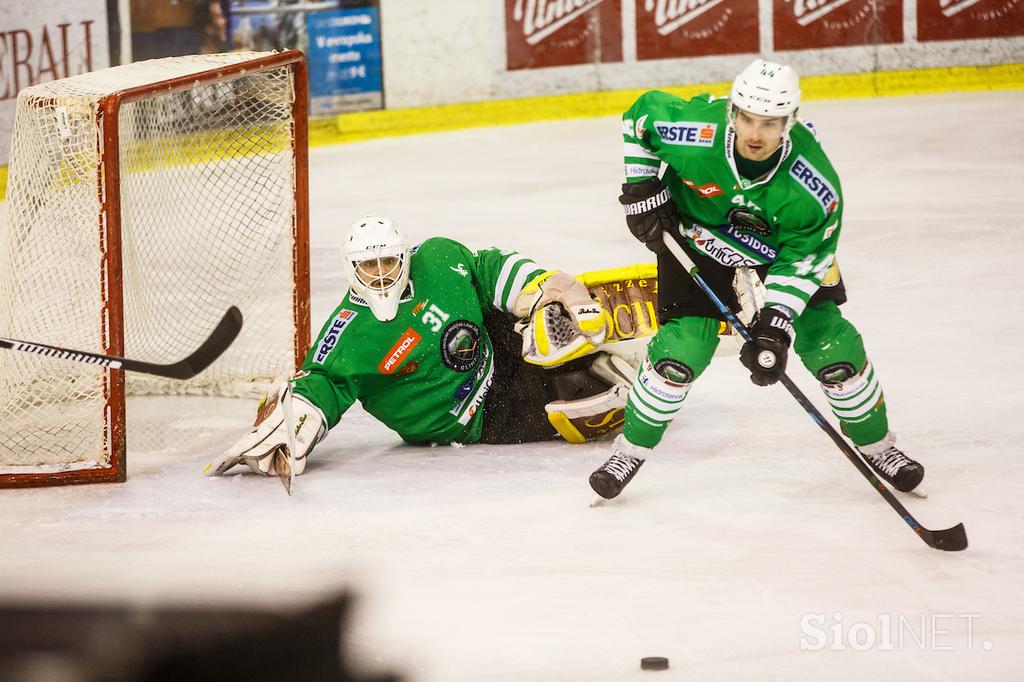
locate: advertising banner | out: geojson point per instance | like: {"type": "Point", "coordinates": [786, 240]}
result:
{"type": "Point", "coordinates": [43, 41]}
{"type": "Point", "coordinates": [344, 61]}
{"type": "Point", "coordinates": [540, 33]}
{"type": "Point", "coordinates": [806, 24]}
{"type": "Point", "coordinates": [671, 28]}
{"type": "Point", "coordinates": [960, 19]}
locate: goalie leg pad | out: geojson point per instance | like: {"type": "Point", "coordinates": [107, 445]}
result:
{"type": "Point", "coordinates": [588, 418]}
{"type": "Point", "coordinates": [583, 419]}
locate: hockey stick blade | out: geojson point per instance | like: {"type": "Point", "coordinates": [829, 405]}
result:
{"type": "Point", "coordinates": [222, 337]}
{"type": "Point", "coordinates": [950, 540]}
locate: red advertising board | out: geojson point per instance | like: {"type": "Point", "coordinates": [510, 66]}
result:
{"type": "Point", "coordinates": [808, 24]}
{"type": "Point", "coordinates": [959, 19]}
{"type": "Point", "coordinates": [677, 28]}
{"type": "Point", "coordinates": [541, 33]}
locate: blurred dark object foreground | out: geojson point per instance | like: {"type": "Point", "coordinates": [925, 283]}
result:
{"type": "Point", "coordinates": [57, 643]}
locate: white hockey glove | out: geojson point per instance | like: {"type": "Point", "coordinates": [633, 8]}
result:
{"type": "Point", "coordinates": [269, 436]}
{"type": "Point", "coordinates": [563, 321]}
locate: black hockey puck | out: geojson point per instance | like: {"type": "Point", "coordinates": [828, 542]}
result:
{"type": "Point", "coordinates": [654, 663]}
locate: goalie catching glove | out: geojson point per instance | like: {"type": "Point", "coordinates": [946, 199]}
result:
{"type": "Point", "coordinates": [562, 321]}
{"type": "Point", "coordinates": [269, 436]}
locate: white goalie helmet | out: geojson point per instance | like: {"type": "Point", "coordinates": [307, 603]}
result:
{"type": "Point", "coordinates": [766, 89]}
{"type": "Point", "coordinates": [376, 258]}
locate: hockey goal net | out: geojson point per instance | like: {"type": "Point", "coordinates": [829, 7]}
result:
{"type": "Point", "coordinates": [143, 201]}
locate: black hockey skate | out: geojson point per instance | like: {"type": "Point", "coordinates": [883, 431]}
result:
{"type": "Point", "coordinates": [889, 462]}
{"type": "Point", "coordinates": [612, 476]}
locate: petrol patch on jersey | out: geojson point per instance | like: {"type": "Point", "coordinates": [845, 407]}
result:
{"type": "Point", "coordinates": [705, 191]}
{"type": "Point", "coordinates": [687, 133]}
{"type": "Point", "coordinates": [815, 183]}
{"type": "Point", "coordinates": [341, 321]}
{"type": "Point", "coordinates": [399, 352]}
{"type": "Point", "coordinates": [460, 346]}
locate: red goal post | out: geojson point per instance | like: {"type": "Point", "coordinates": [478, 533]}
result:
{"type": "Point", "coordinates": [143, 201]}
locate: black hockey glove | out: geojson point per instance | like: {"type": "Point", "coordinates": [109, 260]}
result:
{"type": "Point", "coordinates": [765, 354]}
{"type": "Point", "coordinates": [649, 211]}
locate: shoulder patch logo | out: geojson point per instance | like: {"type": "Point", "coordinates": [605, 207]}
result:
{"type": "Point", "coordinates": [815, 183]}
{"type": "Point", "coordinates": [341, 321]}
{"type": "Point", "coordinates": [640, 127]}
{"type": "Point", "coordinates": [687, 133]}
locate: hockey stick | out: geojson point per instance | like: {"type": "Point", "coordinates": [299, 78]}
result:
{"type": "Point", "coordinates": [951, 539]}
{"type": "Point", "coordinates": [211, 349]}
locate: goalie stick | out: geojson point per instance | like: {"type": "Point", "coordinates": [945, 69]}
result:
{"type": "Point", "coordinates": [951, 539]}
{"type": "Point", "coordinates": [222, 337]}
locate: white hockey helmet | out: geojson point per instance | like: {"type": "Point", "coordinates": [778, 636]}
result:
{"type": "Point", "coordinates": [376, 258]}
{"type": "Point", "coordinates": [766, 89]}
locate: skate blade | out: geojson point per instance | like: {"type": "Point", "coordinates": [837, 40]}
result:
{"type": "Point", "coordinates": [919, 492]}
{"type": "Point", "coordinates": [283, 469]}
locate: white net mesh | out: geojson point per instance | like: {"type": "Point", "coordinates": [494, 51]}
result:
{"type": "Point", "coordinates": [207, 179]}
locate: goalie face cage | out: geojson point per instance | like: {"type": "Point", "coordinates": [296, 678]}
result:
{"type": "Point", "coordinates": [143, 201]}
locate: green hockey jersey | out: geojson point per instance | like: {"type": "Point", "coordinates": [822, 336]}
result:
{"type": "Point", "coordinates": [425, 373]}
{"type": "Point", "coordinates": [789, 219]}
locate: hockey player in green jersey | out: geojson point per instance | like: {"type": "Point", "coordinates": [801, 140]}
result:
{"type": "Point", "coordinates": [424, 340]}
{"type": "Point", "coordinates": [747, 189]}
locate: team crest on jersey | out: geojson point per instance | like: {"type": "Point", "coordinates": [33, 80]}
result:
{"type": "Point", "coordinates": [742, 219]}
{"type": "Point", "coordinates": [460, 346]}
{"type": "Point", "coordinates": [687, 133]}
{"type": "Point", "coordinates": [815, 183]}
{"type": "Point", "coordinates": [341, 321]}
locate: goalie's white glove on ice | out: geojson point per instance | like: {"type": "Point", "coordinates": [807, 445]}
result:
{"type": "Point", "coordinates": [562, 321]}
{"type": "Point", "coordinates": [269, 436]}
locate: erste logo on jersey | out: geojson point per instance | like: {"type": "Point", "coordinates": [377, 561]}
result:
{"type": "Point", "coordinates": [815, 183]}
{"type": "Point", "coordinates": [399, 352]}
{"type": "Point", "coordinates": [687, 133]}
{"type": "Point", "coordinates": [342, 320]}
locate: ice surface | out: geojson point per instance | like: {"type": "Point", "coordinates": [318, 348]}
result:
{"type": "Point", "coordinates": [487, 563]}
